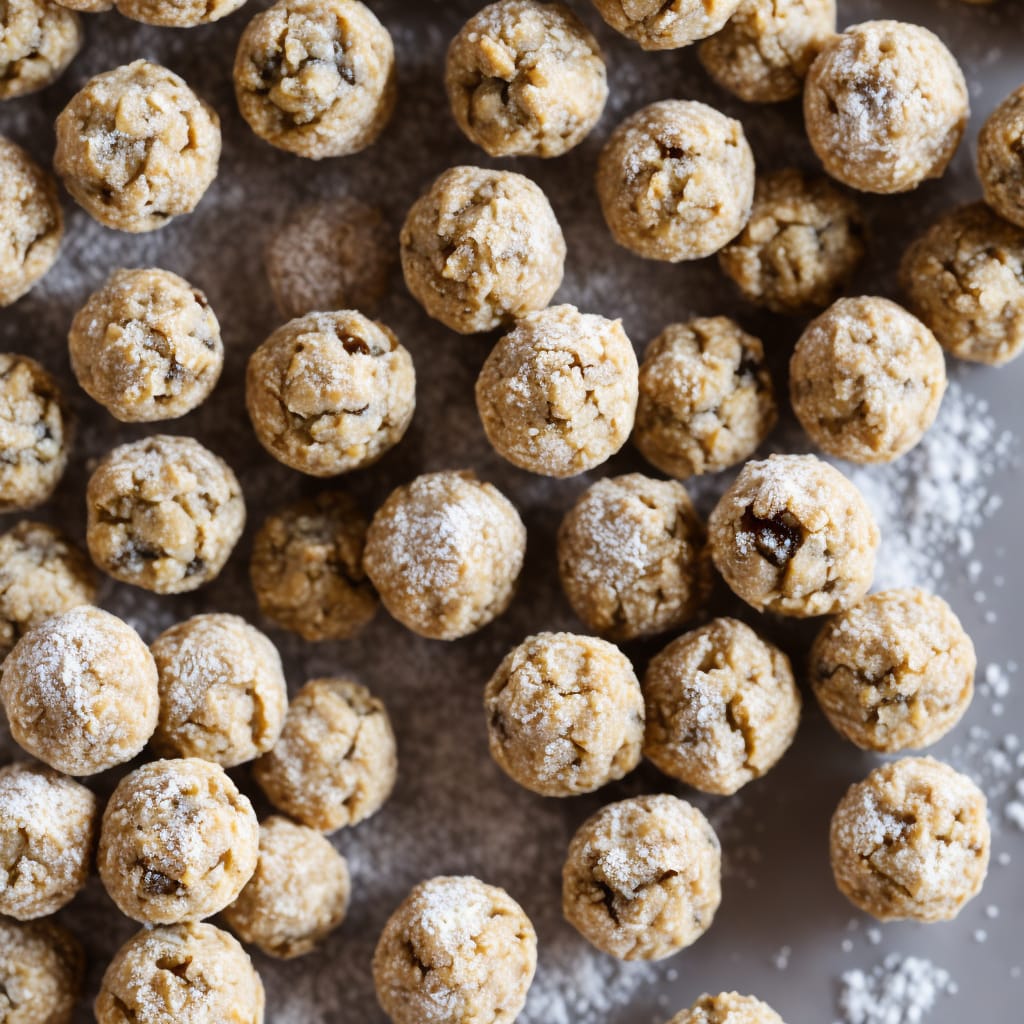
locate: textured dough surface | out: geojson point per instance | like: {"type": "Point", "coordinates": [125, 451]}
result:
{"type": "Point", "coordinates": [727, 1008]}
{"type": "Point", "coordinates": [177, 13]}
{"type": "Point", "coordinates": [38, 40]}
{"type": "Point", "coordinates": [666, 24]}
{"type": "Point", "coordinates": [41, 970]}
{"type": "Point", "coordinates": [1001, 158]}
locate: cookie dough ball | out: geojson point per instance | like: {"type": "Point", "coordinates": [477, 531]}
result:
{"type": "Point", "coordinates": [885, 106]}
{"type": "Point", "coordinates": [866, 380]}
{"type": "Point", "coordinates": [35, 433]}
{"type": "Point", "coordinates": [31, 222]}
{"type": "Point", "coordinates": [1001, 158]}
{"type": "Point", "coordinates": [455, 951]}
{"type": "Point", "coordinates": [911, 841]}
{"type": "Point", "coordinates": [964, 278]}
{"type": "Point", "coordinates": [642, 879]}
{"type": "Point", "coordinates": [727, 1008]}
{"type": "Point", "coordinates": [676, 181]}
{"type": "Point", "coordinates": [223, 694]}
{"type": "Point", "coordinates": [178, 842]}
{"type": "Point", "coordinates": [557, 395]}
{"type": "Point", "coordinates": [564, 714]}
{"type": "Point", "coordinates": [298, 894]}
{"type": "Point", "coordinates": [526, 79]}
{"type": "Point", "coordinates": [307, 568]}
{"type": "Point", "coordinates": [481, 248]}
{"type": "Point", "coordinates": [164, 513]}
{"type": "Point", "coordinates": [47, 834]}
{"type": "Point", "coordinates": [794, 536]}
{"type": "Point", "coordinates": [316, 77]}
{"type": "Point", "coordinates": [803, 242]}
{"type": "Point", "coordinates": [706, 398]}
{"type": "Point", "coordinates": [632, 557]}
{"type": "Point", "coordinates": [186, 974]}
{"type": "Point", "coordinates": [177, 13]}
{"type": "Point", "coordinates": [41, 970]}
{"type": "Point", "coordinates": [722, 707]}
{"type": "Point", "coordinates": [336, 254]}
{"type": "Point", "coordinates": [445, 553]}
{"type": "Point", "coordinates": [763, 53]}
{"type": "Point", "coordinates": [38, 40]}
{"type": "Point", "coordinates": [330, 392]}
{"type": "Point", "coordinates": [136, 147]}
{"type": "Point", "coordinates": [666, 24]}
{"type": "Point", "coordinates": [895, 671]}
{"type": "Point", "coordinates": [335, 763]}
{"type": "Point", "coordinates": [87, 6]}
{"type": "Point", "coordinates": [80, 691]}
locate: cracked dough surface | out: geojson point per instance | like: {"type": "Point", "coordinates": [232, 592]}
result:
{"type": "Point", "coordinates": [964, 277]}
{"type": "Point", "coordinates": [666, 24]}
{"type": "Point", "coordinates": [146, 346]}
{"type": "Point", "coordinates": [722, 707]}
{"type": "Point", "coordinates": [911, 841]}
{"type": "Point", "coordinates": [866, 380]}
{"type": "Point", "coordinates": [38, 40]}
{"type": "Point", "coordinates": [47, 834]}
{"type": "Point", "coordinates": [895, 671]}
{"type": "Point", "coordinates": [632, 557]}
{"type": "Point", "coordinates": [676, 181]}
{"type": "Point", "coordinates": [456, 951]}
{"type": "Point", "coordinates": [335, 762]}
{"type": "Point", "coordinates": [80, 691]}
{"type": "Point", "coordinates": [642, 878]}
{"type": "Point", "coordinates": [178, 842]}
{"type": "Point", "coordinates": [706, 398]}
{"type": "Point", "coordinates": [41, 970]}
{"type": "Point", "coordinates": [727, 1008]}
{"type": "Point", "coordinates": [136, 147]}
{"type": "Point", "coordinates": [558, 393]}
{"type": "Point", "coordinates": [316, 77]}
{"type": "Point", "coordinates": [792, 535]}
{"type": "Point", "coordinates": [885, 106]}
{"type": "Point", "coordinates": [223, 694]}
{"type": "Point", "coordinates": [164, 513]}
{"type": "Point", "coordinates": [525, 79]}
{"type": "Point", "coordinates": [564, 714]}
{"type": "Point", "coordinates": [176, 13]}
{"type": "Point", "coordinates": [481, 248]}
{"type": "Point", "coordinates": [1001, 158]}
{"type": "Point", "coordinates": [330, 392]}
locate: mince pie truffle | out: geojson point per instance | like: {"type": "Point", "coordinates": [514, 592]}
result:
{"type": "Point", "coordinates": [298, 894]}
{"type": "Point", "coordinates": [706, 398]}
{"type": "Point", "coordinates": [164, 513]}
{"type": "Point", "coordinates": [178, 842]}
{"type": "Point", "coordinates": [666, 24]}
{"type": "Point", "coordinates": [642, 879]}
{"type": "Point", "coordinates": [31, 222]}
{"type": "Point", "coordinates": [456, 951]}
{"type": "Point", "coordinates": [727, 1008]}
{"type": "Point", "coordinates": [335, 762]}
{"type": "Point", "coordinates": [632, 557]}
{"type": "Point", "coordinates": [146, 346]}
{"type": "Point", "coordinates": [80, 691]}
{"type": "Point", "coordinates": [42, 967]}
{"type": "Point", "coordinates": [964, 277]}
{"type": "Point", "coordinates": [330, 392]}
{"type": "Point", "coordinates": [911, 841]}
{"type": "Point", "coordinates": [866, 380]}
{"type": "Point", "coordinates": [803, 242]}
{"type": "Point", "coordinates": [47, 834]}
{"type": "Point", "coordinates": [525, 78]}
{"type": "Point", "coordinates": [307, 568]}
{"type": "Point", "coordinates": [190, 973]}
{"type": "Point", "coordinates": [722, 707]}
{"type": "Point", "coordinates": [676, 180]}
{"type": "Point", "coordinates": [885, 106]}
{"type": "Point", "coordinates": [223, 695]}
{"type": "Point", "coordinates": [1001, 158]}
{"type": "Point", "coordinates": [794, 536]}
{"type": "Point", "coordinates": [557, 395]}
{"type": "Point", "coordinates": [481, 248]}
{"type": "Point", "coordinates": [564, 714]}
{"type": "Point", "coordinates": [87, 6]}
{"type": "Point", "coordinates": [177, 13]}
{"type": "Point", "coordinates": [136, 147]}
{"type": "Point", "coordinates": [38, 40]}
{"type": "Point", "coordinates": [895, 671]}
{"type": "Point", "coordinates": [35, 433]}
{"type": "Point", "coordinates": [316, 77]}
{"type": "Point", "coordinates": [444, 553]}
{"type": "Point", "coordinates": [763, 53]}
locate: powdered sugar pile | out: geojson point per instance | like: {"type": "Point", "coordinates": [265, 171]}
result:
{"type": "Point", "coordinates": [900, 990]}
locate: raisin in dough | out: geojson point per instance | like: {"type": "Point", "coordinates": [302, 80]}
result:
{"type": "Point", "coordinates": [42, 967]}
{"type": "Point", "coordinates": [666, 24]}
{"type": "Point", "coordinates": [1001, 158]}
{"type": "Point", "coordinates": [38, 40]}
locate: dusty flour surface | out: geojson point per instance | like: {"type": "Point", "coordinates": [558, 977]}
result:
{"type": "Point", "coordinates": [453, 811]}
